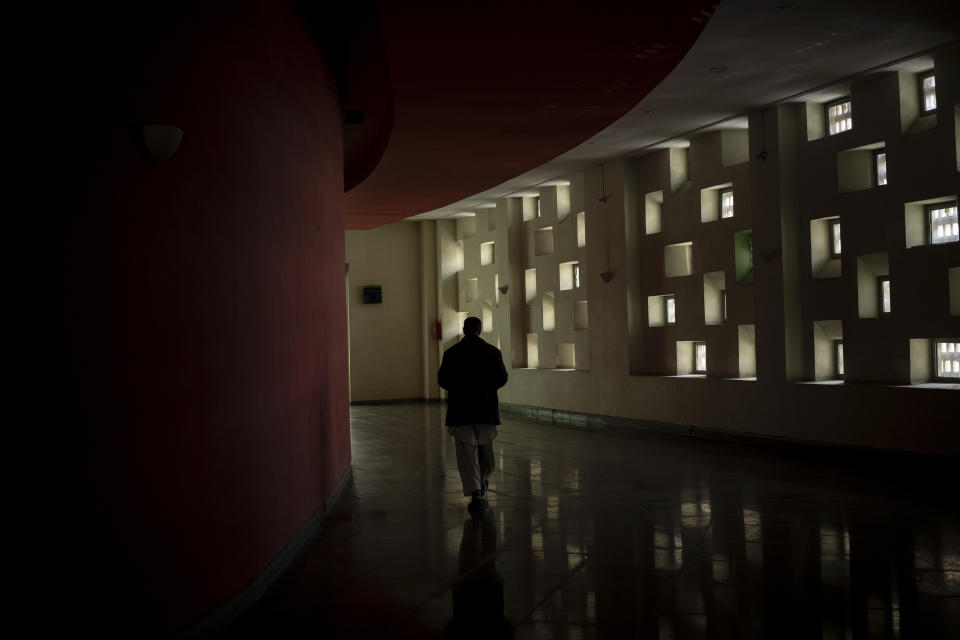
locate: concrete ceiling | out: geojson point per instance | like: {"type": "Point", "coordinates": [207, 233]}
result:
{"type": "Point", "coordinates": [752, 53]}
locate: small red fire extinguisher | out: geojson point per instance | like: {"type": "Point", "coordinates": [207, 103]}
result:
{"type": "Point", "coordinates": [437, 331]}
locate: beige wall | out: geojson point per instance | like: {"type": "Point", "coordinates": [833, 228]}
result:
{"type": "Point", "coordinates": [762, 367]}
{"type": "Point", "coordinates": [390, 342]}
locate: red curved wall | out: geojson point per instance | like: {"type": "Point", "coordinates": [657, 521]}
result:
{"type": "Point", "coordinates": [200, 368]}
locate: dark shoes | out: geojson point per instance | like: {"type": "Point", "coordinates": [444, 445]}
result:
{"type": "Point", "coordinates": [477, 503]}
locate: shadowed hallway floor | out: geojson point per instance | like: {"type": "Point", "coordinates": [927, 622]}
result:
{"type": "Point", "coordinates": [619, 534]}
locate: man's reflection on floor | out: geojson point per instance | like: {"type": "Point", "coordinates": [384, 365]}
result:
{"type": "Point", "coordinates": [478, 592]}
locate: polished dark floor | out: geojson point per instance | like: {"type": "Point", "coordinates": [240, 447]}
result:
{"type": "Point", "coordinates": [616, 534]}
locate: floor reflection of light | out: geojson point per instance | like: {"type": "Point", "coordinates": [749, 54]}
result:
{"type": "Point", "coordinates": [571, 479]}
{"type": "Point", "coordinates": [695, 513]}
{"type": "Point", "coordinates": [667, 548]}
{"type": "Point", "coordinates": [752, 526]}
{"type": "Point", "coordinates": [553, 507]}
{"type": "Point", "coordinates": [536, 484]}
{"type": "Point", "coordinates": [536, 543]}
{"type": "Point", "coordinates": [454, 537]}
{"type": "Point", "coordinates": [591, 605]}
{"type": "Point", "coordinates": [834, 554]}
{"type": "Point", "coordinates": [502, 525]}
{"type": "Point", "coordinates": [721, 568]}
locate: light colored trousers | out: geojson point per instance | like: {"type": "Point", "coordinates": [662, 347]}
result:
{"type": "Point", "coordinates": [474, 444]}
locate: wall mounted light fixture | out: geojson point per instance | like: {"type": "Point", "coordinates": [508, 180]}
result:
{"type": "Point", "coordinates": [160, 141]}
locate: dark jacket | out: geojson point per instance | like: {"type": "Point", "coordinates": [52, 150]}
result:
{"type": "Point", "coordinates": [471, 372]}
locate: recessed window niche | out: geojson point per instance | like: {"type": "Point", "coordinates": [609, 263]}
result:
{"type": "Point", "coordinates": [932, 221]}
{"type": "Point", "coordinates": [468, 226]}
{"type": "Point", "coordinates": [566, 355]}
{"type": "Point", "coordinates": [530, 285]}
{"type": "Point", "coordinates": [661, 310]}
{"type": "Point", "coordinates": [533, 351]}
{"type": "Point", "coordinates": [529, 208]}
{"type": "Point", "coordinates": [569, 275]}
{"type": "Point", "coordinates": [913, 117]}
{"type": "Point", "coordinates": [487, 318]}
{"type": "Point", "coordinates": [743, 256]}
{"type": "Point", "coordinates": [870, 268]}
{"type": "Point", "coordinates": [471, 289]}
{"type": "Point", "coordinates": [828, 350]}
{"type": "Point", "coordinates": [543, 241]}
{"type": "Point", "coordinates": [746, 342]}
{"type": "Point", "coordinates": [921, 361]}
{"type": "Point", "coordinates": [857, 168]}
{"type": "Point", "coordinates": [549, 311]}
{"type": "Point", "coordinates": [825, 247]}
{"type": "Point", "coordinates": [487, 255]}
{"type": "Point", "coordinates": [685, 357]}
{"type": "Point", "coordinates": [678, 259]}
{"type": "Point", "coordinates": [580, 317]}
{"type": "Point", "coordinates": [563, 202]}
{"type": "Point", "coordinates": [679, 168]}
{"type": "Point", "coordinates": [714, 290]}
{"type": "Point", "coordinates": [582, 229]}
{"type": "Point", "coordinates": [653, 207]}
{"type": "Point", "coordinates": [711, 202]}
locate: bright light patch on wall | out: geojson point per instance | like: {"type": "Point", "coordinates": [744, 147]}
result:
{"type": "Point", "coordinates": [838, 355]}
{"type": "Point", "coordinates": [581, 229]}
{"type": "Point", "coordinates": [840, 117]}
{"type": "Point", "coordinates": [881, 159]}
{"type": "Point", "coordinates": [835, 239]}
{"type": "Point", "coordinates": [944, 225]}
{"type": "Point", "coordinates": [948, 359]}
{"type": "Point", "coordinates": [670, 310]}
{"type": "Point", "coordinates": [726, 203]}
{"type": "Point", "coordinates": [928, 88]}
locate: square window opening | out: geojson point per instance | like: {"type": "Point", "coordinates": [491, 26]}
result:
{"type": "Point", "coordinates": [943, 222]}
{"type": "Point", "coordinates": [947, 360]}
{"type": "Point", "coordinates": [839, 115]}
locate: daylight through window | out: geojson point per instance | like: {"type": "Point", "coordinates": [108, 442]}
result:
{"type": "Point", "coordinates": [840, 116]}
{"type": "Point", "coordinates": [948, 359]}
{"type": "Point", "coordinates": [726, 203]}
{"type": "Point", "coordinates": [928, 91]}
{"type": "Point", "coordinates": [944, 223]}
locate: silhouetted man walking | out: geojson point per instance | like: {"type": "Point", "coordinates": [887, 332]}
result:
{"type": "Point", "coordinates": [471, 372]}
